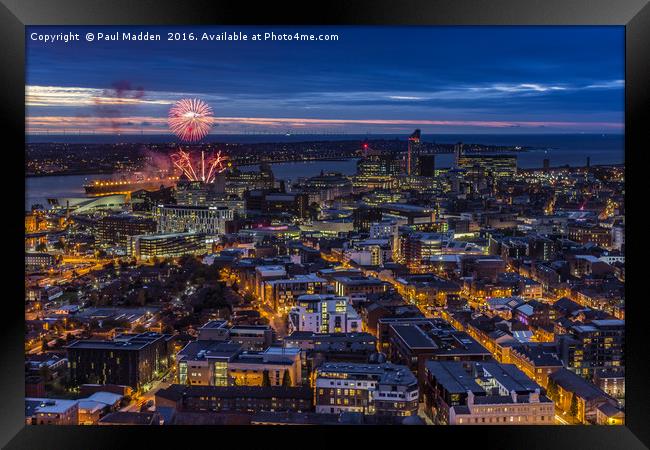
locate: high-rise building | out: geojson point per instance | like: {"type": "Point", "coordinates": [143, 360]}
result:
{"type": "Point", "coordinates": [492, 165]}
{"type": "Point", "coordinates": [458, 152]}
{"type": "Point", "coordinates": [238, 182]}
{"type": "Point", "coordinates": [376, 170]}
{"type": "Point", "coordinates": [427, 165]}
{"type": "Point", "coordinates": [413, 153]}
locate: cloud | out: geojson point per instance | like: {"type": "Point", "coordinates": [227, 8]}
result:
{"type": "Point", "coordinates": [159, 125]}
{"type": "Point", "coordinates": [79, 96]}
{"type": "Point", "coordinates": [607, 85]}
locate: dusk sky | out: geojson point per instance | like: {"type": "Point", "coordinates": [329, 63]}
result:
{"type": "Point", "coordinates": [372, 80]}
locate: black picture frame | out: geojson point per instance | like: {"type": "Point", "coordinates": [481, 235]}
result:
{"type": "Point", "coordinates": [16, 14]}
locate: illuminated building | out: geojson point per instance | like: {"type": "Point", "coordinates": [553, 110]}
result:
{"type": "Point", "coordinates": [199, 193]}
{"type": "Point", "coordinates": [585, 233]}
{"type": "Point", "coordinates": [413, 153]}
{"type": "Point", "coordinates": [284, 292]}
{"type": "Point", "coordinates": [235, 398]}
{"type": "Point", "coordinates": [485, 393]}
{"type": "Point", "coordinates": [331, 227]}
{"type": "Point", "coordinates": [357, 288]}
{"type": "Point", "coordinates": [371, 252]}
{"type": "Point", "coordinates": [209, 220]}
{"type": "Point", "coordinates": [493, 165]}
{"type": "Point", "coordinates": [483, 268]}
{"type": "Point", "coordinates": [414, 342]}
{"type": "Point", "coordinates": [237, 182]}
{"type": "Point", "coordinates": [115, 229]}
{"type": "Point", "coordinates": [267, 273]}
{"type": "Point", "coordinates": [537, 361]}
{"type": "Point", "coordinates": [249, 337]}
{"type": "Point", "coordinates": [603, 346]}
{"type": "Point", "coordinates": [415, 247]}
{"type": "Point", "coordinates": [376, 170]}
{"type": "Point", "coordinates": [34, 222]}
{"type": "Point", "coordinates": [280, 232]}
{"type": "Point", "coordinates": [170, 245]}
{"type": "Point", "coordinates": [372, 389]}
{"type": "Point", "coordinates": [326, 187]}
{"type": "Point", "coordinates": [378, 197]}
{"type": "Point", "coordinates": [407, 214]}
{"type": "Point", "coordinates": [612, 382]}
{"type": "Point", "coordinates": [50, 411]}
{"type": "Point", "coordinates": [334, 347]}
{"type": "Point", "coordinates": [427, 291]}
{"type": "Point", "coordinates": [36, 260]}
{"type": "Point", "coordinates": [130, 359]}
{"type": "Point", "coordinates": [386, 228]}
{"type": "Point", "coordinates": [323, 314]}
{"type": "Point", "coordinates": [589, 398]}
{"type": "Point", "coordinates": [618, 237]}
{"type": "Point", "coordinates": [217, 363]}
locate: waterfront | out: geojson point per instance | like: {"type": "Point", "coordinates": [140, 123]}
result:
{"type": "Point", "coordinates": [560, 149]}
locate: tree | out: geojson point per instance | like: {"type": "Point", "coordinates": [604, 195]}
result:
{"type": "Point", "coordinates": [573, 408]}
{"type": "Point", "coordinates": [266, 380]}
{"type": "Point", "coordinates": [286, 379]}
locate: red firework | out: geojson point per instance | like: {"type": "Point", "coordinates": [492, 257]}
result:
{"type": "Point", "coordinates": [190, 119]}
{"type": "Point", "coordinates": [202, 169]}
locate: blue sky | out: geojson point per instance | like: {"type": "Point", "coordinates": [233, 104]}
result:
{"type": "Point", "coordinates": [372, 80]}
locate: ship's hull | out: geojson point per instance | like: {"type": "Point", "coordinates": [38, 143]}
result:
{"type": "Point", "coordinates": [125, 187]}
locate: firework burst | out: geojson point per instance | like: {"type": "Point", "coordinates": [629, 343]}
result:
{"type": "Point", "coordinates": [200, 168]}
{"type": "Point", "coordinates": [190, 119]}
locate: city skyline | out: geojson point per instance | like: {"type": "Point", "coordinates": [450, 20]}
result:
{"type": "Point", "coordinates": [372, 80]}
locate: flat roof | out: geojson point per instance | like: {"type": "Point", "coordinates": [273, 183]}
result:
{"type": "Point", "coordinates": [453, 377]}
{"type": "Point", "coordinates": [209, 349]}
{"type": "Point", "coordinates": [510, 377]}
{"type": "Point", "coordinates": [48, 405]}
{"type": "Point", "coordinates": [413, 336]}
{"type": "Point", "coordinates": [123, 342]}
{"type": "Point", "coordinates": [215, 324]}
{"type": "Point", "coordinates": [386, 373]}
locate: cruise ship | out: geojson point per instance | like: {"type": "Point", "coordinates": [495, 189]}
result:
{"type": "Point", "coordinates": [127, 184]}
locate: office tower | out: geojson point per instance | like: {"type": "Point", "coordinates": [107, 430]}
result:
{"type": "Point", "coordinates": [413, 153]}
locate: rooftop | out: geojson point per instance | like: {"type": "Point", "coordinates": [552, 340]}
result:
{"type": "Point", "coordinates": [385, 373]}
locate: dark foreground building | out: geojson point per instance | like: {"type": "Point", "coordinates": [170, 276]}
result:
{"type": "Point", "coordinates": [235, 398]}
{"type": "Point", "coordinates": [130, 359]}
